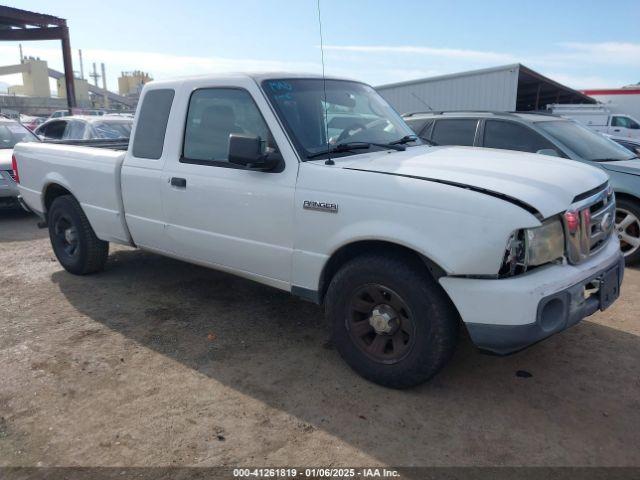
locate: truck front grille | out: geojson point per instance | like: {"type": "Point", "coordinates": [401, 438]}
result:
{"type": "Point", "coordinates": [593, 222]}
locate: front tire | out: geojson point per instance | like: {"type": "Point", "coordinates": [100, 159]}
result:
{"type": "Point", "coordinates": [392, 323]}
{"type": "Point", "coordinates": [73, 240]}
{"type": "Point", "coordinates": [628, 229]}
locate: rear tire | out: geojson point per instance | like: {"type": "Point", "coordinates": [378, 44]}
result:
{"type": "Point", "coordinates": [628, 229]}
{"type": "Point", "coordinates": [73, 240]}
{"type": "Point", "coordinates": [392, 323]}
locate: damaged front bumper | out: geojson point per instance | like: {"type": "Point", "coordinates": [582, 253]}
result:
{"type": "Point", "coordinates": [507, 315]}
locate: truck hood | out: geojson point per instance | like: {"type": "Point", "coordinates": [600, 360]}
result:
{"type": "Point", "coordinates": [546, 184]}
{"type": "Point", "coordinates": [624, 166]}
{"type": "Point", "coordinates": [5, 158]}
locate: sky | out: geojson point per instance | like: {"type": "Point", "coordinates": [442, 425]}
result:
{"type": "Point", "coordinates": [583, 44]}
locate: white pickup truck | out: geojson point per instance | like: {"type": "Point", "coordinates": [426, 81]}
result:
{"type": "Point", "coordinates": [601, 119]}
{"type": "Point", "coordinates": [319, 188]}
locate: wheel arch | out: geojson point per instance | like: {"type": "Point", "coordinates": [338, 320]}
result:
{"type": "Point", "coordinates": [52, 191]}
{"type": "Point", "coordinates": [351, 250]}
{"type": "Point", "coordinates": [629, 197]}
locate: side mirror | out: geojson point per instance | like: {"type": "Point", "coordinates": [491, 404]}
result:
{"type": "Point", "coordinates": [548, 151]}
{"type": "Point", "coordinates": [246, 150]}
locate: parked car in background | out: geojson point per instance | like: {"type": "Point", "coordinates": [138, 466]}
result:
{"type": "Point", "coordinates": [548, 135]}
{"type": "Point", "coordinates": [33, 122]}
{"type": "Point", "coordinates": [630, 144]}
{"type": "Point", "coordinates": [600, 119]}
{"type": "Point", "coordinates": [59, 114]}
{"type": "Point", "coordinates": [81, 127]}
{"type": "Point", "coordinates": [92, 112]}
{"type": "Point", "coordinates": [122, 114]}
{"type": "Point", "coordinates": [11, 132]}
{"type": "Point", "coordinates": [65, 113]}
{"type": "Point", "coordinates": [316, 186]}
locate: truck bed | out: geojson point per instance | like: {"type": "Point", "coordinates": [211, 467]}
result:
{"type": "Point", "coordinates": [90, 173]}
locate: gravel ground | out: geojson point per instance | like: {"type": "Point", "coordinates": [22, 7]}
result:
{"type": "Point", "coordinates": [158, 362]}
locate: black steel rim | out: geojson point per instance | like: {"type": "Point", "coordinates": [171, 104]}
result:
{"type": "Point", "coordinates": [385, 340]}
{"type": "Point", "coordinates": [65, 236]}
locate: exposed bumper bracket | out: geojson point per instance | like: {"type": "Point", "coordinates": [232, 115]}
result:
{"type": "Point", "coordinates": [555, 313]}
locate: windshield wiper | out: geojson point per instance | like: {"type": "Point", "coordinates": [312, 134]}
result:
{"type": "Point", "coordinates": [348, 146]}
{"type": "Point", "coordinates": [404, 140]}
{"type": "Point", "coordinates": [413, 138]}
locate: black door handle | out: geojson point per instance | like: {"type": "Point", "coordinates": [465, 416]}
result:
{"type": "Point", "coordinates": [178, 182]}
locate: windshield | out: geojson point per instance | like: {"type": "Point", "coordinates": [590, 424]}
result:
{"type": "Point", "coordinates": [12, 133]}
{"type": "Point", "coordinates": [111, 130]}
{"type": "Point", "coordinates": [354, 113]}
{"type": "Point", "coordinates": [586, 143]}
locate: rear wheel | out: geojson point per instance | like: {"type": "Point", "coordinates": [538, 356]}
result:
{"type": "Point", "coordinates": [73, 240]}
{"type": "Point", "coordinates": [392, 323]}
{"type": "Point", "coordinates": [628, 229]}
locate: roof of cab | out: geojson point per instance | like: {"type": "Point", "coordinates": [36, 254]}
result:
{"type": "Point", "coordinates": [258, 77]}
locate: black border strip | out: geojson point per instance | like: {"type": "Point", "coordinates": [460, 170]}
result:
{"type": "Point", "coordinates": [321, 472]}
{"type": "Point", "coordinates": [525, 206]}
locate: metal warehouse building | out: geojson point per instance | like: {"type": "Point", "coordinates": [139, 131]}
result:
{"type": "Point", "coordinates": [507, 88]}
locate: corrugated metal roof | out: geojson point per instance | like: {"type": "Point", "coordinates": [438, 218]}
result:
{"type": "Point", "coordinates": [504, 88]}
{"type": "Point", "coordinates": [467, 73]}
{"type": "Point", "coordinates": [487, 89]}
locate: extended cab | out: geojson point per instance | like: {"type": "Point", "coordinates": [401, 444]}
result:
{"type": "Point", "coordinates": [317, 187]}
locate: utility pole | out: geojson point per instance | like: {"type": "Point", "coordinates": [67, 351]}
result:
{"type": "Point", "coordinates": [21, 56]}
{"type": "Point", "coordinates": [104, 87]}
{"type": "Point", "coordinates": [81, 65]}
{"type": "Point", "coordinates": [95, 75]}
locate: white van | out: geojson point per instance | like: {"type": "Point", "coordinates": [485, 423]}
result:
{"type": "Point", "coordinates": [601, 119]}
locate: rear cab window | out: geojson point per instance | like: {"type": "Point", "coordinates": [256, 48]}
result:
{"type": "Point", "coordinates": [151, 128]}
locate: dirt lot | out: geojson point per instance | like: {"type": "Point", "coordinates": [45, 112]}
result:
{"type": "Point", "coordinates": [158, 362]}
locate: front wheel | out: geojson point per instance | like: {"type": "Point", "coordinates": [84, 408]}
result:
{"type": "Point", "coordinates": [628, 229]}
{"type": "Point", "coordinates": [392, 323]}
{"type": "Point", "coordinates": [73, 240]}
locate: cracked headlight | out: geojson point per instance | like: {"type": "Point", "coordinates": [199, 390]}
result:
{"type": "Point", "coordinates": [532, 247]}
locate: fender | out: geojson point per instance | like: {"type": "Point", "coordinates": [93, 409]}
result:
{"type": "Point", "coordinates": [54, 178]}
